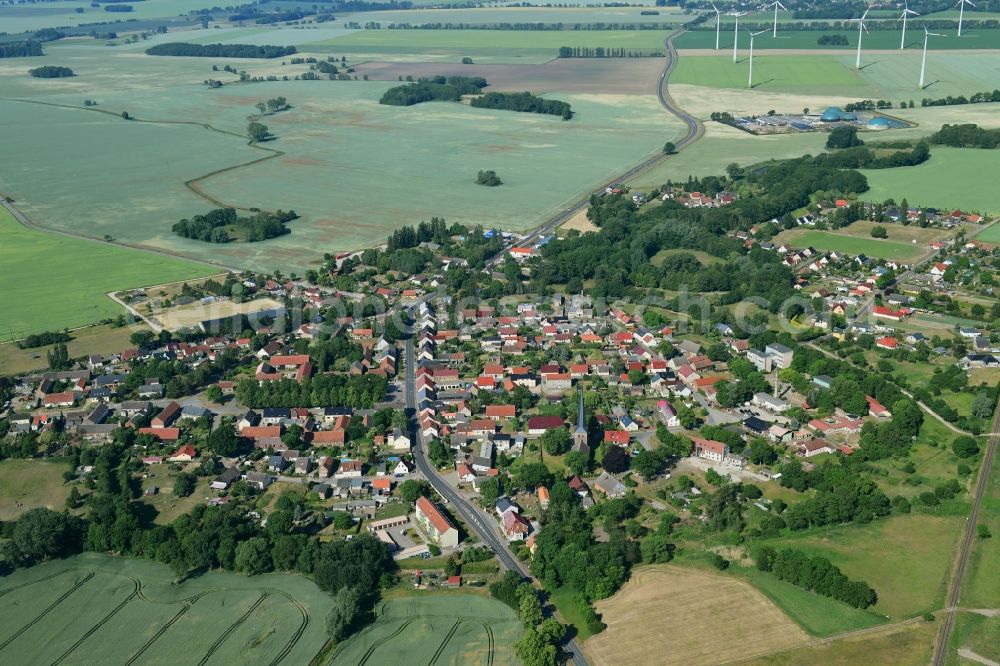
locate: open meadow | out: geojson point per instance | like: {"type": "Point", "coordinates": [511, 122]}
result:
{"type": "Point", "coordinates": [26, 484]}
{"type": "Point", "coordinates": [462, 629]}
{"type": "Point", "coordinates": [850, 244]}
{"type": "Point", "coordinates": [788, 38]}
{"type": "Point", "coordinates": [905, 645]}
{"type": "Point", "coordinates": [63, 280]}
{"type": "Point", "coordinates": [101, 609]}
{"type": "Point", "coordinates": [671, 615]}
{"type": "Point", "coordinates": [962, 178]}
{"type": "Point", "coordinates": [780, 72]}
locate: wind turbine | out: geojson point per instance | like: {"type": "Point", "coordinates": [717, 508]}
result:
{"type": "Point", "coordinates": [777, 4]}
{"type": "Point", "coordinates": [961, 12]}
{"type": "Point", "coordinates": [923, 61]}
{"type": "Point", "coordinates": [718, 23]}
{"type": "Point", "coordinates": [906, 11]}
{"type": "Point", "coordinates": [861, 27]}
{"type": "Point", "coordinates": [752, 35]}
{"type": "Point", "coordinates": [736, 32]}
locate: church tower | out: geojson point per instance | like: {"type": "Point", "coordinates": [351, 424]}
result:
{"type": "Point", "coordinates": [580, 434]}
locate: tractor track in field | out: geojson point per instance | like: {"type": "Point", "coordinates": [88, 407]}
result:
{"type": "Point", "coordinates": [379, 643]}
{"type": "Point", "coordinates": [14, 588]}
{"type": "Point", "coordinates": [444, 643]}
{"type": "Point", "coordinates": [137, 585]}
{"type": "Point", "coordinates": [162, 630]}
{"type": "Point", "coordinates": [298, 632]}
{"type": "Point", "coordinates": [232, 628]}
{"type": "Point", "coordinates": [491, 644]}
{"type": "Point", "coordinates": [49, 609]}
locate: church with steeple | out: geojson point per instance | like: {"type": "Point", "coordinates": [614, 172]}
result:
{"type": "Point", "coordinates": [580, 434]}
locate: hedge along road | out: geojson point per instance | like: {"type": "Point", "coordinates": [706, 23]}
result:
{"type": "Point", "coordinates": [695, 130]}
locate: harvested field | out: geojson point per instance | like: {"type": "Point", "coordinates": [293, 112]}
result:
{"type": "Point", "coordinates": [579, 222]}
{"type": "Point", "coordinates": [190, 315]}
{"type": "Point", "coordinates": [907, 645]}
{"type": "Point", "coordinates": [629, 76]}
{"type": "Point", "coordinates": [671, 615]}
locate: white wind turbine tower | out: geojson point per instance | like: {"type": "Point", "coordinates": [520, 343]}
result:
{"type": "Point", "coordinates": [777, 4]}
{"type": "Point", "coordinates": [736, 32]}
{"type": "Point", "coordinates": [718, 24]}
{"type": "Point", "coordinates": [752, 35]}
{"type": "Point", "coordinates": [906, 12]}
{"type": "Point", "coordinates": [961, 13]}
{"type": "Point", "coordinates": [923, 61]}
{"type": "Point", "coordinates": [861, 28]}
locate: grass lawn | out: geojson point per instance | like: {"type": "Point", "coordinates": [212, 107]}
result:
{"type": "Point", "coordinates": [835, 242]}
{"type": "Point", "coordinates": [61, 281]}
{"type": "Point", "coordinates": [898, 233]}
{"type": "Point", "coordinates": [167, 505]}
{"type": "Point", "coordinates": [819, 615]}
{"type": "Point", "coordinates": [704, 257]}
{"type": "Point", "coordinates": [952, 178]}
{"type": "Point", "coordinates": [101, 609]}
{"type": "Point", "coordinates": [905, 558]}
{"type": "Point", "coordinates": [982, 584]}
{"type": "Point", "coordinates": [770, 72]}
{"type": "Point", "coordinates": [931, 455]}
{"type": "Point", "coordinates": [27, 484]}
{"type": "Point", "coordinates": [990, 234]}
{"type": "Point", "coordinates": [571, 607]}
{"type": "Point", "coordinates": [977, 633]}
{"type": "Point", "coordinates": [102, 339]}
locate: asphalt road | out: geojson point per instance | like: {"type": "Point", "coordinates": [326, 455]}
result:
{"type": "Point", "coordinates": [474, 517]}
{"type": "Point", "coordinates": [955, 592]}
{"type": "Point", "coordinates": [694, 132]}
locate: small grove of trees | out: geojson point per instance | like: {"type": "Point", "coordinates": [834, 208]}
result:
{"type": "Point", "coordinates": [212, 226]}
{"type": "Point", "coordinates": [258, 132]}
{"type": "Point", "coordinates": [816, 574]}
{"type": "Point", "coordinates": [488, 178]}
{"type": "Point", "coordinates": [51, 72]}
{"type": "Point", "coordinates": [966, 136]}
{"type": "Point", "coordinates": [878, 231]}
{"type": "Point", "coordinates": [439, 88]}
{"type": "Point", "coordinates": [525, 102]}
{"type": "Point", "coordinates": [845, 136]}
{"type": "Point", "coordinates": [58, 358]}
{"type": "Point", "coordinates": [273, 105]}
{"type": "Point", "coordinates": [832, 40]}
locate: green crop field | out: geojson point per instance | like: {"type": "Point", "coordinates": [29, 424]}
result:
{"type": "Point", "coordinates": [101, 609]}
{"type": "Point", "coordinates": [414, 41]}
{"type": "Point", "coordinates": [777, 72]}
{"type": "Point", "coordinates": [906, 559]}
{"type": "Point", "coordinates": [831, 241]}
{"type": "Point", "coordinates": [568, 16]}
{"type": "Point", "coordinates": [447, 629]}
{"type": "Point", "coordinates": [990, 234]}
{"type": "Point", "coordinates": [62, 281]}
{"type": "Point", "coordinates": [952, 178]}
{"type": "Point", "coordinates": [352, 168]}
{"type": "Point", "coordinates": [874, 40]}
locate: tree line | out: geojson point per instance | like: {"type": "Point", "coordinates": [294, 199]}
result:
{"type": "Point", "coordinates": [42, 339]}
{"type": "Point", "coordinates": [976, 98]}
{"type": "Point", "coordinates": [524, 102]}
{"type": "Point", "coordinates": [606, 52]}
{"type": "Point", "coordinates": [212, 226]}
{"type": "Point", "coordinates": [439, 88]}
{"type": "Point", "coordinates": [816, 574]}
{"type": "Point", "coordinates": [219, 50]}
{"type": "Point", "coordinates": [357, 391]}
{"type": "Point", "coordinates": [966, 136]}
{"type": "Point", "coordinates": [21, 49]}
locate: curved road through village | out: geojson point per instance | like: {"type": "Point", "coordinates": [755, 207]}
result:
{"type": "Point", "coordinates": [694, 131]}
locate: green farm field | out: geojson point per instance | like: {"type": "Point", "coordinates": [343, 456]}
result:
{"type": "Point", "coordinates": [101, 609]}
{"type": "Point", "coordinates": [832, 241]}
{"type": "Point", "coordinates": [769, 72]}
{"type": "Point", "coordinates": [414, 41]}
{"type": "Point", "coordinates": [875, 40]}
{"type": "Point", "coordinates": [990, 234]}
{"type": "Point", "coordinates": [462, 629]}
{"type": "Point", "coordinates": [493, 15]}
{"type": "Point", "coordinates": [961, 178]}
{"type": "Point", "coordinates": [61, 281]}
{"type": "Point", "coordinates": [905, 558]}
